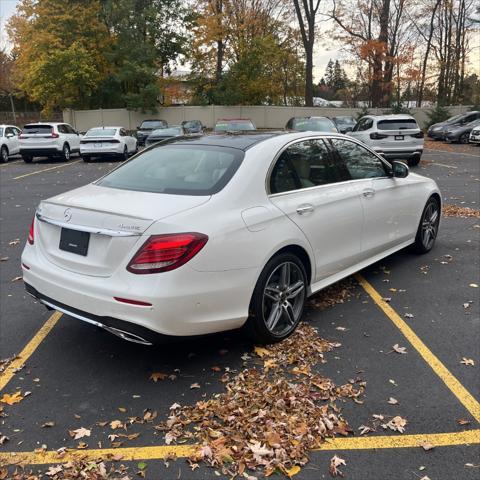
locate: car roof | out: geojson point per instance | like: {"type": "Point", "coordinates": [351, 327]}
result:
{"type": "Point", "coordinates": [153, 120]}
{"type": "Point", "coordinates": [4, 125]}
{"type": "Point", "coordinates": [241, 141]}
{"type": "Point", "coordinates": [46, 122]}
{"type": "Point", "coordinates": [392, 116]}
{"type": "Point", "coordinates": [104, 127]}
{"type": "Point", "coordinates": [309, 117]}
{"type": "Point", "coordinates": [234, 119]}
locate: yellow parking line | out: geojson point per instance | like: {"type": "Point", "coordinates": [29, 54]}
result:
{"type": "Point", "coordinates": [465, 397]}
{"type": "Point", "coordinates": [31, 346]}
{"type": "Point", "coordinates": [46, 170]}
{"type": "Point", "coordinates": [471, 437]}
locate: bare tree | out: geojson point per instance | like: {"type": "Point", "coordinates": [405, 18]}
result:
{"type": "Point", "coordinates": [306, 11]}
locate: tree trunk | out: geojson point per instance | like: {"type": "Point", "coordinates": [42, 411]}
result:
{"type": "Point", "coordinates": [309, 74]}
{"type": "Point", "coordinates": [220, 45]}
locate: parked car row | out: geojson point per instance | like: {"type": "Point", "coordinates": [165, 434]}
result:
{"type": "Point", "coordinates": [462, 128]}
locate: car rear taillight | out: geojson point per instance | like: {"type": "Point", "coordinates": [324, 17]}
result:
{"type": "Point", "coordinates": [377, 136]}
{"type": "Point", "coordinates": [54, 135]}
{"type": "Point", "coordinates": [22, 135]}
{"type": "Point", "coordinates": [31, 232]}
{"type": "Point", "coordinates": [162, 253]}
{"type": "Point", "coordinates": [417, 135]}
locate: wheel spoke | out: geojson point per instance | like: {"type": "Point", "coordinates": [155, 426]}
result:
{"type": "Point", "coordinates": [426, 238]}
{"type": "Point", "coordinates": [295, 289]}
{"type": "Point", "coordinates": [272, 293]}
{"type": "Point", "coordinates": [285, 276]}
{"type": "Point", "coordinates": [288, 309]}
{"type": "Point", "coordinates": [433, 217]}
{"type": "Point", "coordinates": [274, 316]}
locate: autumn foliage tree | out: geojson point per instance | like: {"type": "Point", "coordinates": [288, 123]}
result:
{"type": "Point", "coordinates": [58, 47]}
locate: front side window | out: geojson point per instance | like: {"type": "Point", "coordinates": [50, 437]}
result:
{"type": "Point", "coordinates": [303, 165]}
{"type": "Point", "coordinates": [177, 169]}
{"type": "Point", "coordinates": [359, 162]}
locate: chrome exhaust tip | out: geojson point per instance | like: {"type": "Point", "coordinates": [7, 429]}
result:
{"type": "Point", "coordinates": [129, 337]}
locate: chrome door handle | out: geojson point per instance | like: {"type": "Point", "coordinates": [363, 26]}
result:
{"type": "Point", "coordinates": [368, 192]}
{"type": "Point", "coordinates": [303, 209]}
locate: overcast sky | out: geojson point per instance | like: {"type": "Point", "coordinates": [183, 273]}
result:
{"type": "Point", "coordinates": [7, 9]}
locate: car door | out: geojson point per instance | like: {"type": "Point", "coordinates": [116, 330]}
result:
{"type": "Point", "coordinates": [361, 131]}
{"type": "Point", "coordinates": [389, 207]}
{"type": "Point", "coordinates": [307, 186]}
{"type": "Point", "coordinates": [11, 136]}
{"type": "Point", "coordinates": [73, 137]}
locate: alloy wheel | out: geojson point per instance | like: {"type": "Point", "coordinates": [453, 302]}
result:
{"type": "Point", "coordinates": [430, 221]}
{"type": "Point", "coordinates": [66, 152]}
{"type": "Point", "coordinates": [283, 298]}
{"type": "Point", "coordinates": [4, 155]}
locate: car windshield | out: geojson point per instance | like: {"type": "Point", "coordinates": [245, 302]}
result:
{"type": "Point", "coordinates": [344, 120]}
{"type": "Point", "coordinates": [101, 132]}
{"type": "Point", "coordinates": [314, 125]}
{"type": "Point", "coordinates": [192, 124]}
{"type": "Point", "coordinates": [164, 132]}
{"type": "Point", "coordinates": [404, 124]}
{"type": "Point", "coordinates": [455, 118]}
{"type": "Point", "coordinates": [30, 129]}
{"type": "Point", "coordinates": [177, 169]}
{"type": "Point", "coordinates": [152, 124]}
{"type": "Point", "coordinates": [234, 125]}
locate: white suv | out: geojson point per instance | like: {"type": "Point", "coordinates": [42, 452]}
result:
{"type": "Point", "coordinates": [47, 139]}
{"type": "Point", "coordinates": [395, 137]}
{"type": "Point", "coordinates": [8, 141]}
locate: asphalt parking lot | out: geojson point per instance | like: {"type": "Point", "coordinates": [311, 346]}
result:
{"type": "Point", "coordinates": [79, 376]}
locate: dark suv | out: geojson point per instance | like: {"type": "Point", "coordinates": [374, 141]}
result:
{"type": "Point", "coordinates": [147, 127]}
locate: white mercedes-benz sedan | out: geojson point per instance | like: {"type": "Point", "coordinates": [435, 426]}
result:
{"type": "Point", "coordinates": [202, 234]}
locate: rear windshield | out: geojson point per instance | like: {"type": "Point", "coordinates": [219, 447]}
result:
{"type": "Point", "coordinates": [163, 132]}
{"type": "Point", "coordinates": [344, 120]}
{"type": "Point", "coordinates": [153, 124]}
{"type": "Point", "coordinates": [397, 124]}
{"type": "Point", "coordinates": [191, 124]}
{"type": "Point", "coordinates": [314, 125]}
{"type": "Point", "coordinates": [30, 129]}
{"type": "Point", "coordinates": [1, 132]}
{"type": "Point", "coordinates": [474, 123]}
{"type": "Point", "coordinates": [177, 169]}
{"type": "Point", "coordinates": [101, 132]}
{"type": "Point", "coordinates": [233, 126]}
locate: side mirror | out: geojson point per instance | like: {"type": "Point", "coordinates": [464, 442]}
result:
{"type": "Point", "coordinates": [399, 169]}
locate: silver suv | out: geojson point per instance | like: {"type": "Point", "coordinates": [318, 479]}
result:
{"type": "Point", "coordinates": [395, 137]}
{"type": "Point", "coordinates": [48, 139]}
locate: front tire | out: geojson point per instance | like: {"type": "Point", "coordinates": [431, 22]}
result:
{"type": "Point", "coordinates": [278, 300]}
{"type": "Point", "coordinates": [4, 154]}
{"type": "Point", "coordinates": [428, 227]}
{"type": "Point", "coordinates": [124, 156]}
{"type": "Point", "coordinates": [414, 161]}
{"type": "Point", "coordinates": [465, 138]}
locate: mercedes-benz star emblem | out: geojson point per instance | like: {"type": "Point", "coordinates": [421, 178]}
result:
{"type": "Point", "coordinates": [67, 215]}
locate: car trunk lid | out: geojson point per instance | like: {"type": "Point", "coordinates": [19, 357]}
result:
{"type": "Point", "coordinates": [93, 230]}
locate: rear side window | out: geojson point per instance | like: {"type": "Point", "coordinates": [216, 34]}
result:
{"type": "Point", "coordinates": [233, 126]}
{"type": "Point", "coordinates": [303, 165]}
{"type": "Point", "coordinates": [407, 124]}
{"type": "Point", "coordinates": [33, 129]}
{"type": "Point", "coordinates": [359, 162]}
{"type": "Point", "coordinates": [177, 169]}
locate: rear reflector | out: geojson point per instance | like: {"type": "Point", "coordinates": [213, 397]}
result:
{"type": "Point", "coordinates": [162, 253]}
{"type": "Point", "coordinates": [31, 232]}
{"type": "Point", "coordinates": [132, 302]}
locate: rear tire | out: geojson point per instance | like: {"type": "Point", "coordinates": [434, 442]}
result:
{"type": "Point", "coordinates": [86, 158]}
{"type": "Point", "coordinates": [428, 228]}
{"type": "Point", "coordinates": [278, 300]}
{"type": "Point", "coordinates": [124, 156]}
{"type": "Point", "coordinates": [414, 161]}
{"type": "Point", "coordinates": [65, 153]}
{"type": "Point", "coordinates": [27, 158]}
{"type": "Point", "coordinates": [4, 154]}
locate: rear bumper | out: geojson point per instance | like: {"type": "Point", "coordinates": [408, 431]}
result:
{"type": "Point", "coordinates": [400, 154]}
{"type": "Point", "coordinates": [125, 330]}
{"type": "Point", "coordinates": [40, 152]}
{"type": "Point", "coordinates": [439, 135]}
{"type": "Point", "coordinates": [184, 302]}
{"type": "Point", "coordinates": [93, 153]}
